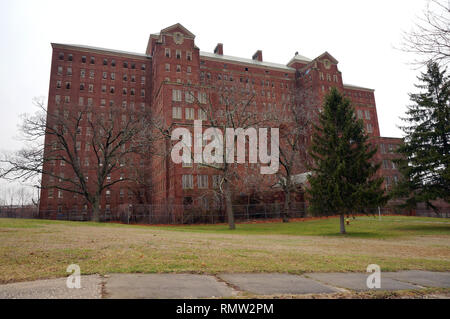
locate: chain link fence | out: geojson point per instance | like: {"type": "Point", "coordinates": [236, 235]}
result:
{"type": "Point", "coordinates": [189, 214]}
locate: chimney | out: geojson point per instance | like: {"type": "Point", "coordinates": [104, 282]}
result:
{"type": "Point", "coordinates": [219, 49]}
{"type": "Point", "coordinates": [257, 56]}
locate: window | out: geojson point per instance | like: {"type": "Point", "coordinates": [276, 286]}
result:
{"type": "Point", "coordinates": [102, 102]}
{"type": "Point", "coordinates": [369, 128]}
{"type": "Point", "coordinates": [112, 90]}
{"type": "Point", "coordinates": [189, 55]}
{"type": "Point", "coordinates": [92, 60]}
{"type": "Point", "coordinates": [202, 181]}
{"type": "Point", "coordinates": [81, 101]}
{"type": "Point", "coordinates": [82, 73]}
{"type": "Point", "coordinates": [91, 88]}
{"type": "Point", "coordinates": [142, 93]}
{"type": "Point", "coordinates": [188, 70]}
{"type": "Point", "coordinates": [142, 79]}
{"type": "Point", "coordinates": [61, 56]}
{"type": "Point", "coordinates": [124, 91]}
{"type": "Point", "coordinates": [176, 95]}
{"type": "Point", "coordinates": [60, 195]}
{"type": "Point", "coordinates": [143, 67]}
{"type": "Point", "coordinates": [132, 91]}
{"type": "Point", "coordinates": [189, 96]}
{"type": "Point", "coordinates": [202, 115]}
{"type": "Point", "coordinates": [178, 68]}
{"type": "Point", "coordinates": [68, 85]}
{"type": "Point", "coordinates": [124, 104]}
{"type": "Point", "coordinates": [335, 78]}
{"type": "Point", "coordinates": [216, 181]}
{"type": "Point", "coordinates": [133, 78]}
{"type": "Point", "coordinates": [178, 54]}
{"type": "Point", "coordinates": [133, 66]}
{"type": "Point", "coordinates": [383, 149]}
{"type": "Point", "coordinates": [67, 99]}
{"type": "Point", "coordinates": [113, 62]}
{"type": "Point", "coordinates": [69, 71]}
{"type": "Point", "coordinates": [103, 88]}
{"type": "Point", "coordinates": [113, 76]}
{"type": "Point", "coordinates": [60, 70]}
{"type": "Point", "coordinates": [105, 75]}
{"type": "Point", "coordinates": [83, 59]}
{"type": "Point", "coordinates": [125, 77]}
{"type": "Point", "coordinates": [91, 74]}
{"type": "Point", "coordinates": [202, 97]}
{"type": "Point", "coordinates": [167, 52]}
{"type": "Point", "coordinates": [385, 164]}
{"type": "Point", "coordinates": [90, 102]}
{"type": "Point", "coordinates": [187, 181]}
{"type": "Point", "coordinates": [81, 86]}
{"type": "Point", "coordinates": [367, 113]}
{"type": "Point", "coordinates": [125, 65]}
{"type": "Point", "coordinates": [394, 166]}
{"type": "Point", "coordinates": [190, 115]}
{"type": "Point", "coordinates": [360, 114]}
{"type": "Point", "coordinates": [167, 67]}
{"type": "Point", "coordinates": [58, 84]}
{"type": "Point", "coordinates": [176, 112]}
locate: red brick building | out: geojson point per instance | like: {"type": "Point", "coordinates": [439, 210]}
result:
{"type": "Point", "coordinates": [161, 81]}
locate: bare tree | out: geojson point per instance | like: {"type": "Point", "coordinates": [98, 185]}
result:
{"type": "Point", "coordinates": [112, 137]}
{"type": "Point", "coordinates": [430, 38]}
{"type": "Point", "coordinates": [296, 118]}
{"type": "Point", "coordinates": [228, 105]}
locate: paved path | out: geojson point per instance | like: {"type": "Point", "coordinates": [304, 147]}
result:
{"type": "Point", "coordinates": [223, 285]}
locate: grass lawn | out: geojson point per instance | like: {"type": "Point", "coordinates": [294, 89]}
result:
{"type": "Point", "coordinates": [33, 249]}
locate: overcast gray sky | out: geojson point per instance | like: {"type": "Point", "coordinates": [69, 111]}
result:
{"type": "Point", "coordinates": [361, 35]}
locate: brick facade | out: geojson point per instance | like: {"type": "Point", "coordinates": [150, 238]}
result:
{"type": "Point", "coordinates": [172, 62]}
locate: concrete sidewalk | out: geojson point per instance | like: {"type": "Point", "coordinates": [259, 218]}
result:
{"type": "Point", "coordinates": [154, 286]}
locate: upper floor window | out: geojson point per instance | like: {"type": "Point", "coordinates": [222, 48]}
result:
{"type": "Point", "coordinates": [105, 61]}
{"type": "Point", "coordinates": [61, 56]}
{"type": "Point", "coordinates": [70, 58]}
{"type": "Point", "coordinates": [167, 52]}
{"type": "Point", "coordinates": [178, 54]}
{"type": "Point", "coordinates": [83, 59]}
{"type": "Point", "coordinates": [113, 62]}
{"type": "Point", "coordinates": [143, 67]}
{"type": "Point", "coordinates": [176, 95]}
{"type": "Point", "coordinates": [125, 64]}
{"type": "Point", "coordinates": [92, 60]}
{"type": "Point", "coordinates": [189, 55]}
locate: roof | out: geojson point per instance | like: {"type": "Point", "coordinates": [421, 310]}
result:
{"type": "Point", "coordinates": [178, 26]}
{"type": "Point", "coordinates": [246, 61]}
{"type": "Point", "coordinates": [90, 48]}
{"type": "Point", "coordinates": [355, 87]}
{"type": "Point", "coordinates": [299, 58]}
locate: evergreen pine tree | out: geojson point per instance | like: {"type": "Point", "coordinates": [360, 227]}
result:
{"type": "Point", "coordinates": [425, 154]}
{"type": "Point", "coordinates": [343, 174]}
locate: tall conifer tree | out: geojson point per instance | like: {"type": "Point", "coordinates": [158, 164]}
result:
{"type": "Point", "coordinates": [425, 155]}
{"type": "Point", "coordinates": [343, 174]}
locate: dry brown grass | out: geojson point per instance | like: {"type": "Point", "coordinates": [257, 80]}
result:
{"type": "Point", "coordinates": [44, 250]}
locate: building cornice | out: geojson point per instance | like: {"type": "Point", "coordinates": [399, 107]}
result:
{"type": "Point", "coordinates": [246, 62]}
{"type": "Point", "coordinates": [85, 48]}
{"type": "Point", "coordinates": [358, 88]}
